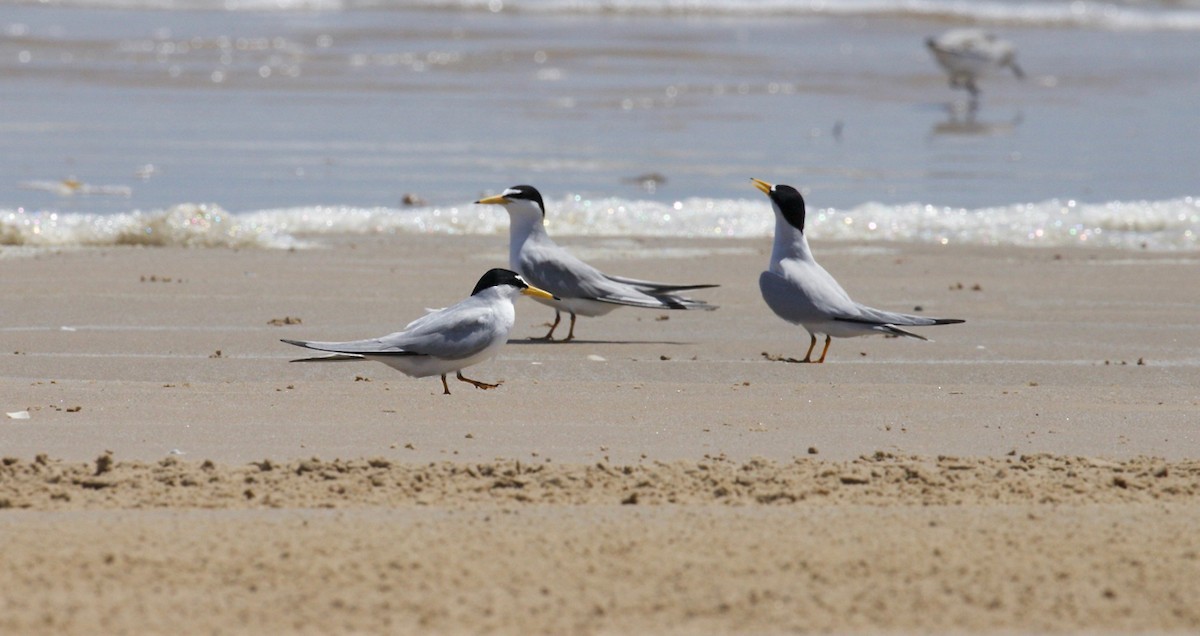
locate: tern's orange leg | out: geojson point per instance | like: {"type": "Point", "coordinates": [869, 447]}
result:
{"type": "Point", "coordinates": [811, 344]}
{"type": "Point", "coordinates": [828, 339]}
{"type": "Point", "coordinates": [550, 334]}
{"type": "Point", "coordinates": [571, 333]}
{"type": "Point", "coordinates": [445, 387]}
{"type": "Point", "coordinates": [477, 383]}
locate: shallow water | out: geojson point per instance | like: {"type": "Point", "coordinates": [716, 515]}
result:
{"type": "Point", "coordinates": [654, 113]}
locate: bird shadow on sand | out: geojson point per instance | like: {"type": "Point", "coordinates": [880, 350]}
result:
{"type": "Point", "coordinates": [542, 341]}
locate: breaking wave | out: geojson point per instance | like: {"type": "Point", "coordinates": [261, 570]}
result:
{"type": "Point", "coordinates": [1181, 15]}
{"type": "Point", "coordinates": [1168, 225]}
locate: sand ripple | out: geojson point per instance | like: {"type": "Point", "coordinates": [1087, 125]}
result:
{"type": "Point", "coordinates": [883, 479]}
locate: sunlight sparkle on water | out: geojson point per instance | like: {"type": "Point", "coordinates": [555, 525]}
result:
{"type": "Point", "coordinates": [1155, 225]}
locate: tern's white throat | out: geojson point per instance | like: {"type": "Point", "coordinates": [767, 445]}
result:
{"type": "Point", "coordinates": [790, 212]}
{"type": "Point", "coordinates": [525, 222]}
{"type": "Point", "coordinates": [790, 242]}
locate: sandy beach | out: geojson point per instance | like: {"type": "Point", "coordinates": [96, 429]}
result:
{"type": "Point", "coordinates": [1031, 470]}
{"type": "Point", "coordinates": [165, 468]}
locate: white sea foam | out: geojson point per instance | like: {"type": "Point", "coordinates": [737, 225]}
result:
{"type": "Point", "coordinates": [188, 225]}
{"type": "Point", "coordinates": [1048, 13]}
{"type": "Point", "coordinates": [1181, 15]}
{"type": "Point", "coordinates": [1170, 225]}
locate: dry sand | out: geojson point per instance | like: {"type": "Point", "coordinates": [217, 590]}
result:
{"type": "Point", "coordinates": [1034, 469]}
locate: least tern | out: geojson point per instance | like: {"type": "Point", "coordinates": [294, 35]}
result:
{"type": "Point", "coordinates": [966, 54]}
{"type": "Point", "coordinates": [800, 291]}
{"type": "Point", "coordinates": [578, 288]}
{"type": "Point", "coordinates": [449, 339]}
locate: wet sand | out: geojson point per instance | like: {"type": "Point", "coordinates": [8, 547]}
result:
{"type": "Point", "coordinates": [1031, 470]}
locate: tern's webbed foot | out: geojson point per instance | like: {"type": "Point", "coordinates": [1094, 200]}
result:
{"type": "Point", "coordinates": [476, 383]}
{"type": "Point", "coordinates": [549, 337]}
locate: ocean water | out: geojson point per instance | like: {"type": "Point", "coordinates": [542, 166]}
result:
{"type": "Point", "coordinates": [273, 122]}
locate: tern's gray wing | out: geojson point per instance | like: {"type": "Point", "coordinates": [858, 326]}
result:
{"type": "Point", "coordinates": [456, 332]}
{"type": "Point", "coordinates": [878, 316]}
{"type": "Point", "coordinates": [459, 331]}
{"type": "Point", "coordinates": [790, 301]}
{"type": "Point", "coordinates": [803, 292]}
{"type": "Point", "coordinates": [559, 272]}
{"type": "Point", "coordinates": [332, 357]}
{"type": "Point", "coordinates": [654, 287]}
{"type": "Point", "coordinates": [353, 348]}
{"type": "Point", "coordinates": [891, 321]}
{"type": "Point", "coordinates": [811, 296]}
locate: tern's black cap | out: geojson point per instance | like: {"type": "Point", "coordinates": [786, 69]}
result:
{"type": "Point", "coordinates": [528, 193]}
{"type": "Point", "coordinates": [499, 276]}
{"type": "Point", "coordinates": [790, 203]}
